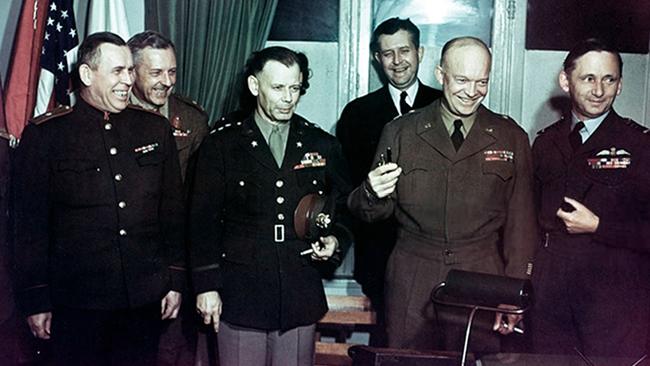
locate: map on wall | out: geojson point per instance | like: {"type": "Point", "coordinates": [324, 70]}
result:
{"type": "Point", "coordinates": [441, 20]}
{"type": "Point", "coordinates": [560, 24]}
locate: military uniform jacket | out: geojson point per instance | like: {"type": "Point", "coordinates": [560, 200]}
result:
{"type": "Point", "coordinates": [448, 201]}
{"type": "Point", "coordinates": [98, 210]}
{"type": "Point", "coordinates": [189, 125]}
{"type": "Point", "coordinates": [243, 242]}
{"type": "Point", "coordinates": [609, 174]}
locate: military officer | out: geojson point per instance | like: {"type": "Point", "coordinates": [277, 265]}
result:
{"type": "Point", "coordinates": [99, 217]}
{"type": "Point", "coordinates": [460, 188]}
{"type": "Point", "coordinates": [257, 283]}
{"type": "Point", "coordinates": [154, 57]}
{"type": "Point", "coordinates": [592, 177]}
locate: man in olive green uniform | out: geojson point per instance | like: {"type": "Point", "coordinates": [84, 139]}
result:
{"type": "Point", "coordinates": [155, 76]}
{"type": "Point", "coordinates": [460, 188]}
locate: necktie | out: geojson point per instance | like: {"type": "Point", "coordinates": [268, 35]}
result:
{"type": "Point", "coordinates": [457, 136]}
{"type": "Point", "coordinates": [574, 137]}
{"type": "Point", "coordinates": [276, 146]}
{"type": "Point", "coordinates": [403, 106]}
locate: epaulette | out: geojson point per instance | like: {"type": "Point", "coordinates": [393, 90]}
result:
{"type": "Point", "coordinates": [56, 112]}
{"type": "Point", "coordinates": [637, 126]}
{"type": "Point", "coordinates": [139, 108]}
{"type": "Point", "coordinates": [551, 127]}
{"type": "Point", "coordinates": [192, 103]}
{"type": "Point", "coordinates": [221, 127]}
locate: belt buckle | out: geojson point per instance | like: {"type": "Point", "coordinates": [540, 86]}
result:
{"type": "Point", "coordinates": [278, 231]}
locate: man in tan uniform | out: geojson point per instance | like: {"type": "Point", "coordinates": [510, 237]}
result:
{"type": "Point", "coordinates": [460, 188]}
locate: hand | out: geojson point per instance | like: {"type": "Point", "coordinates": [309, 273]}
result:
{"type": "Point", "coordinates": [507, 327]}
{"type": "Point", "coordinates": [40, 324]}
{"type": "Point", "coordinates": [580, 221]}
{"type": "Point", "coordinates": [383, 179]}
{"type": "Point", "coordinates": [170, 305]}
{"type": "Point", "coordinates": [208, 305]}
{"type": "Point", "coordinates": [324, 248]}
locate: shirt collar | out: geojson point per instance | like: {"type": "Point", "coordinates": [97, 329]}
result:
{"type": "Point", "coordinates": [266, 126]}
{"type": "Point", "coordinates": [448, 119]}
{"type": "Point", "coordinates": [411, 91]}
{"type": "Point", "coordinates": [590, 124]}
{"type": "Point", "coordinates": [164, 110]}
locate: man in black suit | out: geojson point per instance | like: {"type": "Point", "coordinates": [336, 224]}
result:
{"type": "Point", "coordinates": [98, 218]}
{"type": "Point", "coordinates": [396, 47]}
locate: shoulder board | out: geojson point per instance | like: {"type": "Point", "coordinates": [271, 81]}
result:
{"type": "Point", "coordinates": [551, 127]}
{"type": "Point", "coordinates": [222, 125]}
{"type": "Point", "coordinates": [191, 102]}
{"type": "Point", "coordinates": [636, 126]}
{"type": "Point", "coordinates": [138, 108]}
{"type": "Point", "coordinates": [56, 112]}
{"type": "Point", "coordinates": [303, 122]}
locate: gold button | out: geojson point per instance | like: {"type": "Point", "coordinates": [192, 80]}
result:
{"type": "Point", "coordinates": [279, 184]}
{"type": "Point", "coordinates": [118, 177]}
{"type": "Point", "coordinates": [280, 200]}
{"type": "Point", "coordinates": [108, 126]}
{"type": "Point", "coordinates": [122, 204]}
{"type": "Point", "coordinates": [113, 151]}
{"type": "Point", "coordinates": [122, 232]}
{"type": "Point", "coordinates": [281, 217]}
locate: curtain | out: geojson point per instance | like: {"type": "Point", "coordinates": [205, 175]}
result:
{"type": "Point", "coordinates": [213, 40]}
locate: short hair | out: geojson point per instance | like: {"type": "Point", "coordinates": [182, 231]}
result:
{"type": "Point", "coordinates": [89, 52]}
{"type": "Point", "coordinates": [586, 46]}
{"type": "Point", "coordinates": [146, 39]}
{"type": "Point", "coordinates": [285, 56]}
{"type": "Point", "coordinates": [461, 42]}
{"type": "Point", "coordinates": [391, 26]}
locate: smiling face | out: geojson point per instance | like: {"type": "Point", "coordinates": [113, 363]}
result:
{"type": "Point", "coordinates": [399, 58]}
{"type": "Point", "coordinates": [107, 84]}
{"type": "Point", "coordinates": [155, 75]}
{"type": "Point", "coordinates": [277, 88]}
{"type": "Point", "coordinates": [464, 75]}
{"type": "Point", "coordinates": [593, 84]}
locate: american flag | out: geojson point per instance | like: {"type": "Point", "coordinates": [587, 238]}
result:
{"type": "Point", "coordinates": [59, 40]}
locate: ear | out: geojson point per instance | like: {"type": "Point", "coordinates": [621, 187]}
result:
{"type": "Point", "coordinates": [253, 85]}
{"type": "Point", "coordinates": [619, 89]}
{"type": "Point", "coordinates": [420, 54]}
{"type": "Point", "coordinates": [439, 74]}
{"type": "Point", "coordinates": [377, 58]}
{"type": "Point", "coordinates": [563, 80]}
{"type": "Point", "coordinates": [85, 74]}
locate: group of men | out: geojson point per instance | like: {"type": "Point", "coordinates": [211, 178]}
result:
{"type": "Point", "coordinates": [113, 194]}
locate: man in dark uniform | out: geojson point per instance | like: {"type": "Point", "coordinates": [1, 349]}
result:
{"type": "Point", "coordinates": [98, 216]}
{"type": "Point", "coordinates": [592, 177]}
{"type": "Point", "coordinates": [154, 57]}
{"type": "Point", "coordinates": [245, 251]}
{"type": "Point", "coordinates": [460, 188]}
{"type": "Point", "coordinates": [396, 47]}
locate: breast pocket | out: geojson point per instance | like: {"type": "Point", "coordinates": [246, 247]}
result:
{"type": "Point", "coordinates": [245, 192]}
{"type": "Point", "coordinates": [311, 180]}
{"type": "Point", "coordinates": [415, 184]}
{"type": "Point", "coordinates": [501, 171]}
{"type": "Point", "coordinates": [77, 181]}
{"type": "Point", "coordinates": [149, 174]}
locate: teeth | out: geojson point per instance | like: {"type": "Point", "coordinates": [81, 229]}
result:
{"type": "Point", "coordinates": [121, 93]}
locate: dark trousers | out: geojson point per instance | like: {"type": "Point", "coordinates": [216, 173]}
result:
{"type": "Point", "coordinates": [82, 337]}
{"type": "Point", "coordinates": [596, 300]}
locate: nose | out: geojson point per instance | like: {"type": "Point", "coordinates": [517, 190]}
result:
{"type": "Point", "coordinates": [598, 90]}
{"type": "Point", "coordinates": [127, 77]}
{"type": "Point", "coordinates": [471, 89]}
{"type": "Point", "coordinates": [397, 59]}
{"type": "Point", "coordinates": [166, 80]}
{"type": "Point", "coordinates": [286, 95]}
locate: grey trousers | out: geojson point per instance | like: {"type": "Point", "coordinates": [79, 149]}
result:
{"type": "Point", "coordinates": [239, 346]}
